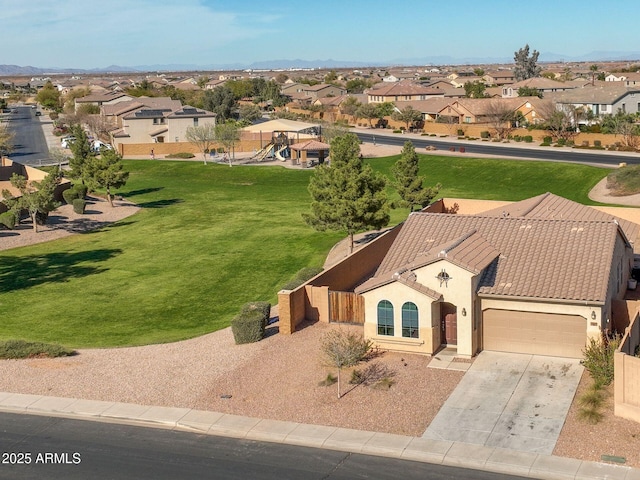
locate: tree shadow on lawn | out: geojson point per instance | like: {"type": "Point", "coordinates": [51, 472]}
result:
{"type": "Point", "coordinates": [160, 203]}
{"type": "Point", "coordinates": [24, 272]}
{"type": "Point", "coordinates": [142, 191]}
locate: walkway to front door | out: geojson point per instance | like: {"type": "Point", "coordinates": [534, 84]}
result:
{"type": "Point", "coordinates": [509, 400]}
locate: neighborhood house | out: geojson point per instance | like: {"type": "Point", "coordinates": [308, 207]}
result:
{"type": "Point", "coordinates": [537, 276]}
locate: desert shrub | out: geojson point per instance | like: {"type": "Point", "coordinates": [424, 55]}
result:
{"type": "Point", "coordinates": [397, 131]}
{"type": "Point", "coordinates": [597, 143]}
{"type": "Point", "coordinates": [344, 349]}
{"type": "Point", "coordinates": [301, 277]}
{"type": "Point", "coordinates": [545, 144]}
{"type": "Point", "coordinates": [484, 134]}
{"type": "Point", "coordinates": [598, 358]}
{"type": "Point", "coordinates": [357, 377]}
{"type": "Point", "coordinates": [561, 142]}
{"type": "Point", "coordinates": [8, 219]}
{"type": "Point", "coordinates": [460, 132]}
{"type": "Point", "coordinates": [81, 189]}
{"type": "Point", "coordinates": [70, 194]}
{"type": "Point", "coordinates": [14, 349]}
{"type": "Point", "coordinates": [592, 398]}
{"type": "Point", "coordinates": [547, 139]}
{"type": "Point", "coordinates": [329, 380]}
{"type": "Point", "coordinates": [248, 327]}
{"type": "Point", "coordinates": [528, 138]}
{"type": "Point", "coordinates": [590, 415]}
{"type": "Point", "coordinates": [180, 155]}
{"type": "Point", "coordinates": [79, 204]}
{"type": "Point", "coordinates": [263, 307]}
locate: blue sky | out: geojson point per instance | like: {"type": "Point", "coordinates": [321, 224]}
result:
{"type": "Point", "coordinates": [96, 34]}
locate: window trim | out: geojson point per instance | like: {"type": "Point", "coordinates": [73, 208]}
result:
{"type": "Point", "coordinates": [410, 325]}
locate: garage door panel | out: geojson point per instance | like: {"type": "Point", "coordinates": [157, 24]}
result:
{"type": "Point", "coordinates": [534, 333]}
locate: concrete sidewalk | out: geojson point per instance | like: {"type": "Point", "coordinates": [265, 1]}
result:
{"type": "Point", "coordinates": [356, 441]}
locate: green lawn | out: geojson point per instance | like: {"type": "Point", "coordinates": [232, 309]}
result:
{"type": "Point", "coordinates": [208, 239]}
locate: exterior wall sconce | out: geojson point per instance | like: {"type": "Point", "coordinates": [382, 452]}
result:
{"type": "Point", "coordinates": [464, 312]}
{"type": "Point", "coordinates": [593, 315]}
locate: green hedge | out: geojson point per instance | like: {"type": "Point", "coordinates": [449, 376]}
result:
{"type": "Point", "coordinates": [180, 155]}
{"type": "Point", "coordinates": [14, 349]}
{"type": "Point", "coordinates": [70, 194]}
{"type": "Point", "coordinates": [8, 219]}
{"type": "Point", "coordinates": [79, 205]}
{"type": "Point", "coordinates": [301, 277]}
{"type": "Point", "coordinates": [248, 327]}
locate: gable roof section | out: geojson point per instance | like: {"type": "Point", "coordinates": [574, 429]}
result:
{"type": "Point", "coordinates": [403, 88]}
{"type": "Point", "coordinates": [550, 206]}
{"type": "Point", "coordinates": [538, 258]}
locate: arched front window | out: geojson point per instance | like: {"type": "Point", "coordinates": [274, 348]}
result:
{"type": "Point", "coordinates": [410, 320]}
{"type": "Point", "coordinates": [385, 318]}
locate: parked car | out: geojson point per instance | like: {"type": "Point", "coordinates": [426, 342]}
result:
{"type": "Point", "coordinates": [38, 113]}
{"type": "Point", "coordinates": [67, 141]}
{"type": "Point", "coordinates": [98, 145]}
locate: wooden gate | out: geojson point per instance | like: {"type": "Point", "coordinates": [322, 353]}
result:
{"type": "Point", "coordinates": [346, 307]}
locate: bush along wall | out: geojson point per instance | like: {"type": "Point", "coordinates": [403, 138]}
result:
{"type": "Point", "coordinates": [250, 324]}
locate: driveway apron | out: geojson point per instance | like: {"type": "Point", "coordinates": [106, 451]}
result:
{"type": "Point", "coordinates": [509, 400]}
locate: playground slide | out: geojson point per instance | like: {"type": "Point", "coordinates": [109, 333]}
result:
{"type": "Point", "coordinates": [279, 154]}
{"type": "Point", "coordinates": [264, 153]}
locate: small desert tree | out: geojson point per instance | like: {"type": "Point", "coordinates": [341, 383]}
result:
{"type": "Point", "coordinates": [35, 197]}
{"type": "Point", "coordinates": [367, 111]}
{"type": "Point", "coordinates": [408, 115]}
{"type": "Point", "coordinates": [202, 137]}
{"type": "Point", "coordinates": [409, 182]}
{"type": "Point", "coordinates": [342, 349]}
{"type": "Point", "coordinates": [82, 154]}
{"type": "Point", "coordinates": [106, 172]}
{"type": "Point", "coordinates": [6, 140]}
{"type": "Point", "coordinates": [501, 117]}
{"type": "Point", "coordinates": [228, 134]}
{"type": "Point", "coordinates": [347, 195]}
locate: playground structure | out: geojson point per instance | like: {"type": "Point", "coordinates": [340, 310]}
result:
{"type": "Point", "coordinates": [283, 133]}
{"type": "Point", "coordinates": [277, 148]}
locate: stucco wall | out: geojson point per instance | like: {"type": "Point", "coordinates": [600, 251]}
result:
{"type": "Point", "coordinates": [311, 300]}
{"type": "Point", "coordinates": [428, 340]}
{"type": "Point", "coordinates": [627, 374]}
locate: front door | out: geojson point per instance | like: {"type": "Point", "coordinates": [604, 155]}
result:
{"type": "Point", "coordinates": [448, 324]}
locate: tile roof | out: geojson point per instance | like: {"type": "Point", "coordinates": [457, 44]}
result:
{"type": "Point", "coordinates": [528, 253]}
{"type": "Point", "coordinates": [404, 88]}
{"type": "Point", "coordinates": [600, 94]}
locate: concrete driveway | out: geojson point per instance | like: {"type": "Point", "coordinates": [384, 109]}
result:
{"type": "Point", "coordinates": [509, 400]}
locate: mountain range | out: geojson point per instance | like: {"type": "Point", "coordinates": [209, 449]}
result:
{"type": "Point", "coordinates": [286, 64]}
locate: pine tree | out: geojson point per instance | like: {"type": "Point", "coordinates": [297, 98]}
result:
{"type": "Point", "coordinates": [526, 66]}
{"type": "Point", "coordinates": [409, 183]}
{"type": "Point", "coordinates": [106, 172]}
{"type": "Point", "coordinates": [347, 195]}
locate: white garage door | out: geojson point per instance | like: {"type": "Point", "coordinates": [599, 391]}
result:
{"type": "Point", "coordinates": [534, 333]}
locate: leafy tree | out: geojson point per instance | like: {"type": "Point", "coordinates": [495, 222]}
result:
{"type": "Point", "coordinates": [106, 172]}
{"type": "Point", "coordinates": [49, 97]}
{"type": "Point", "coordinates": [559, 121]}
{"type": "Point", "coordinates": [249, 113]}
{"type": "Point", "coordinates": [228, 134]}
{"type": "Point", "coordinates": [475, 89]}
{"type": "Point", "coordinates": [6, 140]}
{"type": "Point", "coordinates": [624, 124]}
{"type": "Point", "coordinates": [408, 115]}
{"type": "Point", "coordinates": [526, 65]}
{"type": "Point", "coordinates": [331, 77]}
{"type": "Point", "coordinates": [202, 81]}
{"type": "Point", "coordinates": [368, 111]}
{"type": "Point", "coordinates": [202, 137]}
{"type": "Point", "coordinates": [357, 85]}
{"type": "Point", "coordinates": [35, 197]}
{"type": "Point", "coordinates": [478, 72]}
{"type": "Point", "coordinates": [347, 195]}
{"type": "Point", "coordinates": [281, 77]}
{"type": "Point", "coordinates": [344, 349]}
{"type": "Point", "coordinates": [221, 101]}
{"type": "Point", "coordinates": [529, 92]}
{"type": "Point", "coordinates": [385, 109]}
{"type": "Point", "coordinates": [409, 183]}
{"type": "Point", "coordinates": [594, 71]}
{"type": "Point", "coordinates": [350, 106]}
{"type": "Point", "coordinates": [501, 117]}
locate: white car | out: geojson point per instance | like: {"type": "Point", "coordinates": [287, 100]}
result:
{"type": "Point", "coordinates": [98, 145]}
{"type": "Point", "coordinates": [67, 141]}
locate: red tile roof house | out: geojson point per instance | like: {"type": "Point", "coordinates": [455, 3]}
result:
{"type": "Point", "coordinates": [537, 276]}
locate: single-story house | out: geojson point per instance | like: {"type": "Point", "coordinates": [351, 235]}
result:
{"type": "Point", "coordinates": [538, 276]}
